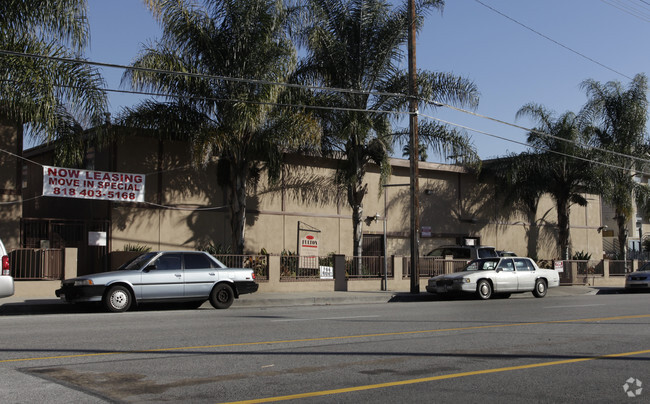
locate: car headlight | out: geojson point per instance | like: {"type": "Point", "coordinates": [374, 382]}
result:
{"type": "Point", "coordinates": [462, 280]}
{"type": "Point", "coordinates": [83, 282]}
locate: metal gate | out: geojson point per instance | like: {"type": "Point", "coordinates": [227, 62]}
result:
{"type": "Point", "coordinates": [60, 233]}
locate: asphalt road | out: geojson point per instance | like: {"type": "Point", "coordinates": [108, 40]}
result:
{"type": "Point", "coordinates": [557, 349]}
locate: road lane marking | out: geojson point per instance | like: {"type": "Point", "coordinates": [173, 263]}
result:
{"type": "Point", "coordinates": [340, 337]}
{"type": "Point", "coordinates": [575, 305]}
{"type": "Point", "coordinates": [322, 318]}
{"type": "Point", "coordinates": [433, 378]}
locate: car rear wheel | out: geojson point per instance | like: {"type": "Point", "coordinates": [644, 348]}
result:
{"type": "Point", "coordinates": [484, 289]}
{"type": "Point", "coordinates": [118, 299]}
{"type": "Point", "coordinates": [540, 288]}
{"type": "Point", "coordinates": [222, 296]}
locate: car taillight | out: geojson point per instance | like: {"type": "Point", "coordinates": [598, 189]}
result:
{"type": "Point", "coordinates": [253, 275]}
{"type": "Point", "coordinates": [6, 270]}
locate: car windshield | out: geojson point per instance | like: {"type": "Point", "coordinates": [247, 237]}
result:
{"type": "Point", "coordinates": [482, 265]}
{"type": "Point", "coordinates": [137, 262]}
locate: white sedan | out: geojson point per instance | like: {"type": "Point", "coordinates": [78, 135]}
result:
{"type": "Point", "coordinates": [496, 276]}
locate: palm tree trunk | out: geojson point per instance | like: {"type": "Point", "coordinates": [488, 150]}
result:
{"type": "Point", "coordinates": [622, 233]}
{"type": "Point", "coordinates": [355, 199]}
{"type": "Point", "coordinates": [532, 235]}
{"type": "Point", "coordinates": [237, 205]}
{"type": "Point", "coordinates": [563, 211]}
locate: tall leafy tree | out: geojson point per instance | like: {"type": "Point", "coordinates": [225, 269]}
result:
{"type": "Point", "coordinates": [619, 117]}
{"type": "Point", "coordinates": [562, 167]}
{"type": "Point", "coordinates": [358, 45]}
{"type": "Point", "coordinates": [237, 120]}
{"type": "Point", "coordinates": [46, 93]}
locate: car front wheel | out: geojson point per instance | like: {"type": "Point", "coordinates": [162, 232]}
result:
{"type": "Point", "coordinates": [117, 299]}
{"type": "Point", "coordinates": [540, 288]}
{"type": "Point", "coordinates": [484, 289]}
{"type": "Point", "coordinates": [222, 296]}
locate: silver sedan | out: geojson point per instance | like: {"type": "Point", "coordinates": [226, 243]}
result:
{"type": "Point", "coordinates": [496, 276]}
{"type": "Point", "coordinates": [177, 276]}
{"type": "Point", "coordinates": [639, 279]}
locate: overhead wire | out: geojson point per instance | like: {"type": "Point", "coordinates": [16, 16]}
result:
{"type": "Point", "coordinates": [629, 9]}
{"type": "Point", "coordinates": [609, 165]}
{"type": "Point", "coordinates": [582, 55]}
{"type": "Point", "coordinates": [310, 87]}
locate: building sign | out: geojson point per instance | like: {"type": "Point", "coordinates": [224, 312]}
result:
{"type": "Point", "coordinates": [97, 238]}
{"type": "Point", "coordinates": [98, 185]}
{"type": "Point", "coordinates": [309, 251]}
{"type": "Point", "coordinates": [326, 272]}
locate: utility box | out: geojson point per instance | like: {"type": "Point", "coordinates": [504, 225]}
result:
{"type": "Point", "coordinates": [340, 279]}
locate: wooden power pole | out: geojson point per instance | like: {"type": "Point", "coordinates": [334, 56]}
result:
{"type": "Point", "coordinates": [414, 151]}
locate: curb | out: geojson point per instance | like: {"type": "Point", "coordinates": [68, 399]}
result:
{"type": "Point", "coordinates": [35, 305]}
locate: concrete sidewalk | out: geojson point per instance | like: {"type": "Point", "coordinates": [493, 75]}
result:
{"type": "Point", "coordinates": [47, 305]}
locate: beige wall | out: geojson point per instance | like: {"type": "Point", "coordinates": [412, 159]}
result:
{"type": "Point", "coordinates": [453, 202]}
{"type": "Point", "coordinates": [186, 208]}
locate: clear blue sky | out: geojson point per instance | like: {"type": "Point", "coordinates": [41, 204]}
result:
{"type": "Point", "coordinates": [510, 65]}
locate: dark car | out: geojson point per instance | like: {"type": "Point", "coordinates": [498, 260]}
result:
{"type": "Point", "coordinates": [177, 276]}
{"type": "Point", "coordinates": [464, 252]}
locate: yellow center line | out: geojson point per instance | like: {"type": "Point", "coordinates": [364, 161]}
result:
{"type": "Point", "coordinates": [432, 378]}
{"type": "Point", "coordinates": [341, 337]}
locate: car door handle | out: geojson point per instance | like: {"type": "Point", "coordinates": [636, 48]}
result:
{"type": "Point", "coordinates": [211, 273]}
{"type": "Point", "coordinates": [178, 275]}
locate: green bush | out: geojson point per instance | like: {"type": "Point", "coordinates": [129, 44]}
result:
{"type": "Point", "coordinates": [581, 256]}
{"type": "Point", "coordinates": [136, 248]}
{"type": "Point", "coordinates": [216, 249]}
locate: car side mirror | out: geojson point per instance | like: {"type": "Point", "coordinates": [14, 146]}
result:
{"type": "Point", "coordinates": [499, 269]}
{"type": "Point", "coordinates": [150, 268]}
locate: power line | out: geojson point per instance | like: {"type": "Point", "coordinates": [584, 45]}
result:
{"type": "Point", "coordinates": [197, 75]}
{"type": "Point", "coordinates": [552, 40]}
{"type": "Point", "coordinates": [540, 133]}
{"type": "Point", "coordinates": [629, 9]}
{"type": "Point", "coordinates": [255, 81]}
{"type": "Point", "coordinates": [532, 146]}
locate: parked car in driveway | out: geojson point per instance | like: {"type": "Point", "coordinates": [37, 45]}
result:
{"type": "Point", "coordinates": [169, 276]}
{"type": "Point", "coordinates": [638, 280]}
{"type": "Point", "coordinates": [496, 276]}
{"type": "Point", "coordinates": [6, 280]}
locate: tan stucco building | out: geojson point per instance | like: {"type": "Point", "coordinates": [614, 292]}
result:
{"type": "Point", "coordinates": [185, 209]}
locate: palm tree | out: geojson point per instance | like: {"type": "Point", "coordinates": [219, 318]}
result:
{"type": "Point", "coordinates": [44, 92]}
{"type": "Point", "coordinates": [619, 119]}
{"type": "Point", "coordinates": [357, 46]}
{"type": "Point", "coordinates": [238, 120]}
{"type": "Point", "coordinates": [517, 183]}
{"type": "Point", "coordinates": [422, 152]}
{"type": "Point", "coordinates": [562, 168]}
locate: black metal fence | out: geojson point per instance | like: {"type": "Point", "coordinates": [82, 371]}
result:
{"type": "Point", "coordinates": [296, 268]}
{"type": "Point", "coordinates": [258, 263]}
{"type": "Point", "coordinates": [37, 264]}
{"type": "Point", "coordinates": [430, 266]}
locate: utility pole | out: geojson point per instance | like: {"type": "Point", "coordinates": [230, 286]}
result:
{"type": "Point", "coordinates": [414, 144]}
